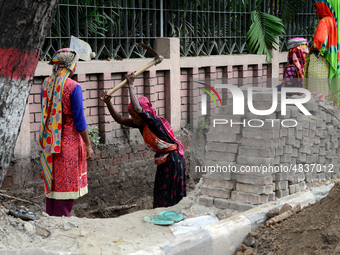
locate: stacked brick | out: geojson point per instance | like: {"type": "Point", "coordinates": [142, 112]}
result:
{"type": "Point", "coordinates": [272, 160]}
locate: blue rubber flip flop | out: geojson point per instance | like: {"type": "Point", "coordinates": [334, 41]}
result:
{"type": "Point", "coordinates": [158, 220]}
{"type": "Point", "coordinates": [171, 216]}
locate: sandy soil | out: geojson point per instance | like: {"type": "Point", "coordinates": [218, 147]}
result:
{"type": "Point", "coordinates": [121, 235]}
{"type": "Point", "coordinates": [312, 231]}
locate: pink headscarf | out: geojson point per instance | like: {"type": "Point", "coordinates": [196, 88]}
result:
{"type": "Point", "coordinates": [147, 106]}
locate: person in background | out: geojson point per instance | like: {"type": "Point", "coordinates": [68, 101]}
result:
{"type": "Point", "coordinates": [63, 136]}
{"type": "Point", "coordinates": [170, 181]}
{"type": "Point", "coordinates": [322, 64]}
{"type": "Point", "coordinates": [297, 52]}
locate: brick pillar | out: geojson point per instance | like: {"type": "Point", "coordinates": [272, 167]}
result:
{"type": "Point", "coordinates": [226, 76]}
{"type": "Point", "coordinates": [194, 98]}
{"type": "Point", "coordinates": [210, 75]}
{"type": "Point", "coordinates": [169, 48]}
{"type": "Point", "coordinates": [105, 121]}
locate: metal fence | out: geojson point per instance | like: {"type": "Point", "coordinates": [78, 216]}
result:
{"type": "Point", "coordinates": [205, 27]}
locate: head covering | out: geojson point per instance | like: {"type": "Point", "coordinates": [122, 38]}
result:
{"type": "Point", "coordinates": [296, 41]}
{"type": "Point", "coordinates": [64, 62]}
{"type": "Point", "coordinates": [297, 51]}
{"type": "Point", "coordinates": [147, 106]}
{"type": "Point", "coordinates": [327, 37]}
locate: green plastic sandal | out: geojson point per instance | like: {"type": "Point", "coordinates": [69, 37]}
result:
{"type": "Point", "coordinates": [171, 216]}
{"type": "Point", "coordinates": [158, 220]}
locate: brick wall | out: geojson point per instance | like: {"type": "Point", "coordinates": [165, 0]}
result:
{"type": "Point", "coordinates": [124, 167]}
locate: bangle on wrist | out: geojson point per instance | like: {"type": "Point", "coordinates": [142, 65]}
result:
{"type": "Point", "coordinates": [89, 146]}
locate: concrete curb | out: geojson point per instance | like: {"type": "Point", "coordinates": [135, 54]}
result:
{"type": "Point", "coordinates": [225, 236]}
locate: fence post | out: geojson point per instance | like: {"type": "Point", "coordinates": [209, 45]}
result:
{"type": "Point", "coordinates": [276, 63]}
{"type": "Point", "coordinates": [169, 49]}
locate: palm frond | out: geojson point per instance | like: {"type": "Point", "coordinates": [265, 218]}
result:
{"type": "Point", "coordinates": [264, 33]}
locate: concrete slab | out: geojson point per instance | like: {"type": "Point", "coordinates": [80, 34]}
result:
{"type": "Point", "coordinates": [225, 236]}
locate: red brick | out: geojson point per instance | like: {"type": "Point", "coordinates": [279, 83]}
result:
{"type": "Point", "coordinates": [161, 96]}
{"type": "Point", "coordinates": [125, 158]}
{"type": "Point", "coordinates": [37, 117]}
{"type": "Point", "coordinates": [93, 111]}
{"type": "Point", "coordinates": [37, 98]}
{"type": "Point", "coordinates": [150, 82]}
{"type": "Point", "coordinates": [153, 98]}
{"type": "Point", "coordinates": [159, 103]}
{"type": "Point", "coordinates": [161, 111]}
{"type": "Point", "coordinates": [81, 77]}
{"type": "Point", "coordinates": [140, 147]}
{"type": "Point", "coordinates": [30, 99]}
{"type": "Point", "coordinates": [160, 80]}
{"type": "Point", "coordinates": [105, 85]}
{"type": "Point", "coordinates": [113, 170]}
{"type": "Point", "coordinates": [93, 93]}
{"type": "Point", "coordinates": [117, 76]}
{"type": "Point", "coordinates": [34, 108]}
{"type": "Point", "coordinates": [159, 88]}
{"type": "Point", "coordinates": [104, 154]}
{"type": "Point", "coordinates": [149, 89]}
{"type": "Point", "coordinates": [104, 76]}
{"type": "Point", "coordinates": [106, 127]}
{"type": "Point", "coordinates": [117, 160]}
{"type": "Point", "coordinates": [34, 127]}
{"type": "Point", "coordinates": [183, 93]}
{"type": "Point", "coordinates": [105, 111]}
{"type": "Point", "coordinates": [117, 100]}
{"type": "Point", "coordinates": [92, 164]}
{"type": "Point", "coordinates": [150, 74]}
{"type": "Point", "coordinates": [91, 102]}
{"type": "Point", "coordinates": [93, 77]}
{"type": "Point", "coordinates": [132, 157]}
{"type": "Point", "coordinates": [92, 120]}
{"type": "Point", "coordinates": [105, 118]}
{"type": "Point", "coordinates": [31, 117]}
{"type": "Point", "coordinates": [101, 163]}
{"type": "Point", "coordinates": [36, 89]}
{"type": "Point", "coordinates": [147, 154]}
{"type": "Point", "coordinates": [126, 100]}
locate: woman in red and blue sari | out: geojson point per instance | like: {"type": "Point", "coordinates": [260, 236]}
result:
{"type": "Point", "coordinates": [63, 136]}
{"type": "Point", "coordinates": [170, 181]}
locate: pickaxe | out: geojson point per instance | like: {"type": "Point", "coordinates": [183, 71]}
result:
{"type": "Point", "coordinates": [158, 59]}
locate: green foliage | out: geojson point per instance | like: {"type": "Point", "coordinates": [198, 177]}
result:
{"type": "Point", "coordinates": [264, 33]}
{"type": "Point", "coordinates": [126, 131]}
{"type": "Point", "coordinates": [291, 9]}
{"type": "Point", "coordinates": [201, 127]}
{"type": "Point", "coordinates": [94, 135]}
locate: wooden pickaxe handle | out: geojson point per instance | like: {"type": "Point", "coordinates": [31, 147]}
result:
{"type": "Point", "coordinates": [152, 63]}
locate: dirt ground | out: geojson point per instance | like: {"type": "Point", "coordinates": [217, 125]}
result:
{"type": "Point", "coordinates": [312, 231]}
{"type": "Point", "coordinates": [90, 236]}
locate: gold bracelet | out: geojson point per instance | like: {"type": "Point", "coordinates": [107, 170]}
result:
{"type": "Point", "coordinates": [90, 146]}
{"type": "Point", "coordinates": [131, 86]}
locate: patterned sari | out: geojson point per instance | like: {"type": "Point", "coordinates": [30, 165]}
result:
{"type": "Point", "coordinates": [323, 71]}
{"type": "Point", "coordinates": [63, 156]}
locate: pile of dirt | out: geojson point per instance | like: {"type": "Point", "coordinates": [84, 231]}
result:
{"type": "Point", "coordinates": [313, 230]}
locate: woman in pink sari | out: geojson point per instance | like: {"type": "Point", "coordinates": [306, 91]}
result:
{"type": "Point", "coordinates": [170, 180]}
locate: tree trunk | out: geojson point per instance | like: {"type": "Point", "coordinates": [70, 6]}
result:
{"type": "Point", "coordinates": [24, 25]}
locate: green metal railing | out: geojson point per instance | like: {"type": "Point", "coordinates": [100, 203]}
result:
{"type": "Point", "coordinates": [205, 27]}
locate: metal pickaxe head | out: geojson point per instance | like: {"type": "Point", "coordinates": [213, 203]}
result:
{"type": "Point", "coordinates": [152, 52]}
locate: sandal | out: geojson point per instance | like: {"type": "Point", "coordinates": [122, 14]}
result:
{"type": "Point", "coordinates": [157, 220]}
{"type": "Point", "coordinates": [22, 214]}
{"type": "Point", "coordinates": [171, 216]}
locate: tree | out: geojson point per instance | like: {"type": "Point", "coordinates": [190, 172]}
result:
{"type": "Point", "coordinates": [24, 25]}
